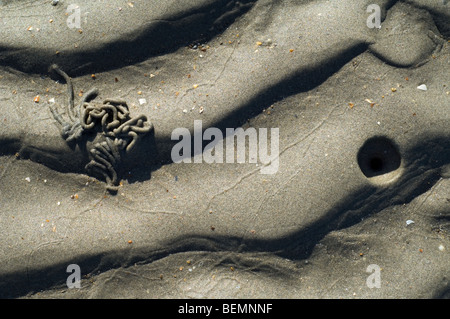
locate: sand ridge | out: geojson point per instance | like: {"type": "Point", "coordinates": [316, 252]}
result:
{"type": "Point", "coordinates": [310, 230]}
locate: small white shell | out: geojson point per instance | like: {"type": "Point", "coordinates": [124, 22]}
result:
{"type": "Point", "coordinates": [422, 87]}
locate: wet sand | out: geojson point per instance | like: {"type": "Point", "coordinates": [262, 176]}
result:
{"type": "Point", "coordinates": [362, 179]}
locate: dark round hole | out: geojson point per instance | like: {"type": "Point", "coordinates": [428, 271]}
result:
{"type": "Point", "coordinates": [376, 164]}
{"type": "Point", "coordinates": [379, 155]}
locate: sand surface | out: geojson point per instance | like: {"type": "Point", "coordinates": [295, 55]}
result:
{"type": "Point", "coordinates": [362, 179]}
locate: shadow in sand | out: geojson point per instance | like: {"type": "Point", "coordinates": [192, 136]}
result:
{"type": "Point", "coordinates": [423, 169]}
{"type": "Point", "coordinates": [302, 81]}
{"type": "Point", "coordinates": [152, 153]}
{"type": "Point", "coordinates": [163, 36]}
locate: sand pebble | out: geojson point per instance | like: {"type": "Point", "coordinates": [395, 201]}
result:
{"type": "Point", "coordinates": [52, 100]}
{"type": "Point", "coordinates": [409, 222]}
{"type": "Point", "coordinates": [142, 101]}
{"type": "Point", "coordinates": [55, 2]}
{"type": "Point", "coordinates": [441, 247]}
{"type": "Point", "coordinates": [28, 179]}
{"type": "Point", "coordinates": [422, 87]}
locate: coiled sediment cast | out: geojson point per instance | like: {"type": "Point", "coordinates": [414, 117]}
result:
{"type": "Point", "coordinates": [116, 131]}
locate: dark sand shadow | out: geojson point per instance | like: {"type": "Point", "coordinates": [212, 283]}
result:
{"type": "Point", "coordinates": [152, 153]}
{"type": "Point", "coordinates": [302, 81]}
{"type": "Point", "coordinates": [423, 170]}
{"type": "Point", "coordinates": [163, 36]}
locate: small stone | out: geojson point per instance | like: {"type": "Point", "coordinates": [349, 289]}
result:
{"type": "Point", "coordinates": [409, 222]}
{"type": "Point", "coordinates": [28, 179]}
{"type": "Point", "coordinates": [142, 101]}
{"type": "Point", "coordinates": [422, 87]}
{"type": "Point", "coordinates": [55, 2]}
